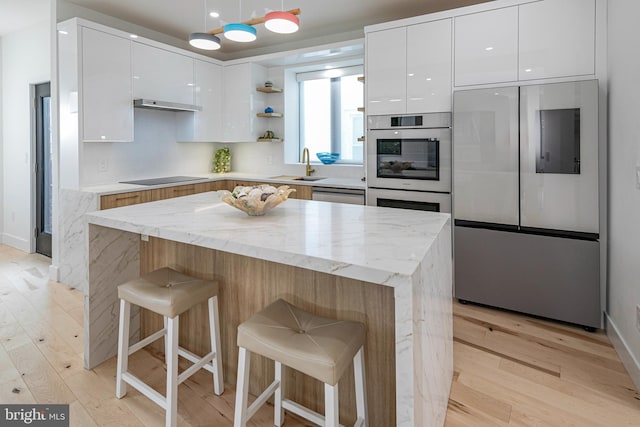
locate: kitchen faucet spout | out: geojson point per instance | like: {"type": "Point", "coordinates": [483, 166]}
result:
{"type": "Point", "coordinates": [305, 155]}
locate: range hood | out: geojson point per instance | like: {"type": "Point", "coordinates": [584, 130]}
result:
{"type": "Point", "coordinates": [164, 105]}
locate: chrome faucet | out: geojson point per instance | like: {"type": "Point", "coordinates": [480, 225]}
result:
{"type": "Point", "coordinates": [305, 155]}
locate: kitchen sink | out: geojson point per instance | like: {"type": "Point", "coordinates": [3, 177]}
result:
{"type": "Point", "coordinates": [297, 178]}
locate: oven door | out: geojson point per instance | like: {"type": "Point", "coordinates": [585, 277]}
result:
{"type": "Point", "coordinates": [416, 200]}
{"type": "Point", "coordinates": [409, 159]}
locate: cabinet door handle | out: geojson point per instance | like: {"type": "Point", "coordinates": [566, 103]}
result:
{"type": "Point", "coordinates": [135, 196]}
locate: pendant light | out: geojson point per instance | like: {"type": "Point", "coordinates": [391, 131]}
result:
{"type": "Point", "coordinates": [281, 22]}
{"type": "Point", "coordinates": [240, 32]}
{"type": "Point", "coordinates": [204, 41]}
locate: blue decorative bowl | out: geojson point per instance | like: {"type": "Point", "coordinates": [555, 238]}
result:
{"type": "Point", "coordinates": [328, 158]}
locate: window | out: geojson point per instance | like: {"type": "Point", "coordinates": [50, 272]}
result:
{"type": "Point", "coordinates": [329, 116]}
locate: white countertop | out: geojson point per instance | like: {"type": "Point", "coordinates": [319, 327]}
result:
{"type": "Point", "coordinates": [115, 188]}
{"type": "Point", "coordinates": [378, 245]}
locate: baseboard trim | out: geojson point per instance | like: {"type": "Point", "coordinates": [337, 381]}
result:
{"type": "Point", "coordinates": [628, 359]}
{"type": "Point", "coordinates": [16, 242]}
{"type": "Point", "coordinates": [54, 273]}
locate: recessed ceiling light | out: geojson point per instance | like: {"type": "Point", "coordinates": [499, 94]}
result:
{"type": "Point", "coordinates": [411, 74]}
{"type": "Point", "coordinates": [488, 48]}
{"type": "Point", "coordinates": [428, 79]}
{"type": "Point", "coordinates": [133, 36]}
{"type": "Point", "coordinates": [214, 14]}
{"type": "Point", "coordinates": [528, 70]}
{"type": "Point", "coordinates": [63, 32]}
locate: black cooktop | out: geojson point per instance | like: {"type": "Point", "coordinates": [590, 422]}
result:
{"type": "Point", "coordinates": [164, 180]}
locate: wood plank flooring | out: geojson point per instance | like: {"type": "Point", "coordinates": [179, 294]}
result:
{"type": "Point", "coordinates": [510, 370]}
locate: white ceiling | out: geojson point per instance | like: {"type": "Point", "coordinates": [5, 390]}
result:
{"type": "Point", "coordinates": [333, 20]}
{"type": "Point", "coordinates": [18, 14]}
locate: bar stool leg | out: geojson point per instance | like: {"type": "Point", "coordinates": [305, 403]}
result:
{"type": "Point", "coordinates": [172, 373]}
{"type": "Point", "coordinates": [123, 348]}
{"type": "Point", "coordinates": [166, 340]}
{"type": "Point", "coordinates": [278, 417]}
{"type": "Point", "coordinates": [242, 388]}
{"type": "Point", "coordinates": [331, 405]}
{"type": "Point", "coordinates": [361, 386]}
{"type": "Point", "coordinates": [214, 331]}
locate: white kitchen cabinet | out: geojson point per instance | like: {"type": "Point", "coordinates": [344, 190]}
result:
{"type": "Point", "coordinates": [386, 71]}
{"type": "Point", "coordinates": [241, 102]}
{"type": "Point", "coordinates": [407, 72]}
{"type": "Point", "coordinates": [556, 39]}
{"type": "Point", "coordinates": [106, 100]}
{"type": "Point", "coordinates": [163, 75]}
{"type": "Point", "coordinates": [486, 47]}
{"type": "Point", "coordinates": [429, 67]}
{"type": "Point", "coordinates": [204, 125]}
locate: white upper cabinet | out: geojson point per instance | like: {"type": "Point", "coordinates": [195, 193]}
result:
{"type": "Point", "coordinates": [429, 67]}
{"type": "Point", "coordinates": [557, 39]}
{"type": "Point", "coordinates": [486, 47]}
{"type": "Point", "coordinates": [107, 108]}
{"type": "Point", "coordinates": [386, 71]}
{"type": "Point", "coordinates": [162, 75]}
{"type": "Point", "coordinates": [409, 69]}
{"type": "Point", "coordinates": [208, 122]}
{"type": "Point", "coordinates": [204, 125]}
{"type": "Point", "coordinates": [242, 101]}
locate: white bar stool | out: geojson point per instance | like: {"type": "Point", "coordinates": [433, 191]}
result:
{"type": "Point", "coordinates": [169, 293]}
{"type": "Point", "coordinates": [317, 346]}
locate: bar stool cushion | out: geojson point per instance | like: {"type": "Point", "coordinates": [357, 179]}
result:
{"type": "Point", "coordinates": [167, 291]}
{"type": "Point", "coordinates": [317, 346]}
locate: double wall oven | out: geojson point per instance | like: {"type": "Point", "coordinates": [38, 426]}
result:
{"type": "Point", "coordinates": [409, 161]}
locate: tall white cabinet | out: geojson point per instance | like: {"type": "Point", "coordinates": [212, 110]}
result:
{"type": "Point", "coordinates": [106, 109]}
{"type": "Point", "coordinates": [409, 69]}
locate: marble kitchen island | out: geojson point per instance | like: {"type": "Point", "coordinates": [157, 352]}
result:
{"type": "Point", "coordinates": [389, 268]}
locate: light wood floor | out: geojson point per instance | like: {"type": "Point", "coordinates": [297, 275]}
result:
{"type": "Point", "coordinates": [509, 369]}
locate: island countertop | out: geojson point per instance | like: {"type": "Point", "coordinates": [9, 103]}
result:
{"type": "Point", "coordinates": [378, 245]}
{"type": "Point", "coordinates": [364, 250]}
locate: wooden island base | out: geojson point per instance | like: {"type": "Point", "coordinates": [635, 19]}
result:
{"type": "Point", "coordinates": [249, 284]}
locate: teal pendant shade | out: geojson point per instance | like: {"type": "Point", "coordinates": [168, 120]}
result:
{"type": "Point", "coordinates": [204, 41]}
{"type": "Point", "coordinates": [240, 32]}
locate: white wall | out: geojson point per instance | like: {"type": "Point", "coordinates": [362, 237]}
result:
{"type": "Point", "coordinates": [624, 196]}
{"type": "Point", "coordinates": [26, 61]}
{"type": "Point", "coordinates": [154, 152]}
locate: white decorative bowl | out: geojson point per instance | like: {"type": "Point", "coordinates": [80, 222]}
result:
{"type": "Point", "coordinates": [256, 200]}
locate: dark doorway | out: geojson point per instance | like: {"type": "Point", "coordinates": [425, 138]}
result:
{"type": "Point", "coordinates": [43, 168]}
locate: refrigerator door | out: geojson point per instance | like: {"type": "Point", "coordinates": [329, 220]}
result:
{"type": "Point", "coordinates": [485, 155]}
{"type": "Point", "coordinates": [559, 156]}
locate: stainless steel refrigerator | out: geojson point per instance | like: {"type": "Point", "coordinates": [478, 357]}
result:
{"type": "Point", "coordinates": [526, 201]}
